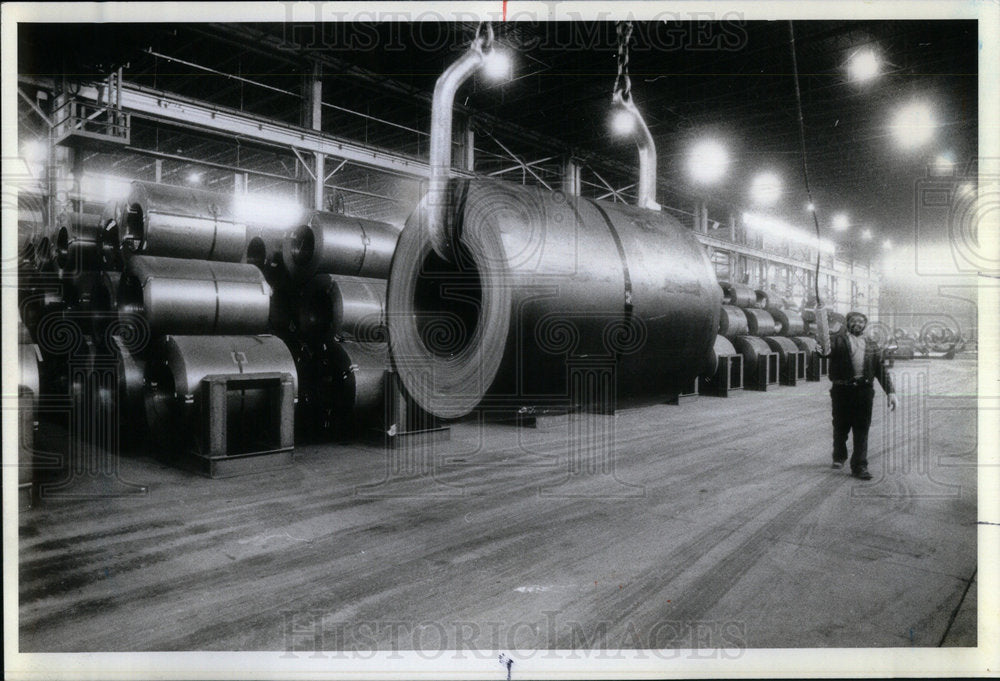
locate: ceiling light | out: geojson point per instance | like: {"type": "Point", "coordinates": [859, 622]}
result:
{"type": "Point", "coordinates": [841, 222]}
{"type": "Point", "coordinates": [622, 121]}
{"type": "Point", "coordinates": [194, 177]}
{"type": "Point", "coordinates": [887, 244]}
{"type": "Point", "coordinates": [913, 125]}
{"type": "Point", "coordinates": [811, 207]}
{"type": "Point", "coordinates": [863, 66]}
{"type": "Point", "coordinates": [707, 161]}
{"type": "Point", "coordinates": [497, 65]}
{"type": "Point", "coordinates": [866, 235]}
{"type": "Point", "coordinates": [766, 188]}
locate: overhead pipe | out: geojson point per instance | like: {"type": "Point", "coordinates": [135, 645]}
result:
{"type": "Point", "coordinates": [647, 154]}
{"type": "Point", "coordinates": [442, 107]}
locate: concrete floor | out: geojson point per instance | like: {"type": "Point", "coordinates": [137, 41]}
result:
{"type": "Point", "coordinates": [721, 527]}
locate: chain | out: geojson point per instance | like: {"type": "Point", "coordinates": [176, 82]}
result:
{"type": "Point", "coordinates": [480, 40]}
{"type": "Point", "coordinates": [623, 84]}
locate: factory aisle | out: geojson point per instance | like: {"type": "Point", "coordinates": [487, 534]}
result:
{"type": "Point", "coordinates": [714, 524]}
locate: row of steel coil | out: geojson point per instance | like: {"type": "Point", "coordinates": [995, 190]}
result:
{"type": "Point", "coordinates": [127, 307]}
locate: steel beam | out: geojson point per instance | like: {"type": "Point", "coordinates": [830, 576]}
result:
{"type": "Point", "coordinates": [179, 110]}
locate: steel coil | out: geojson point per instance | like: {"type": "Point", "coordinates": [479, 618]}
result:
{"type": "Point", "coordinates": [781, 345]}
{"type": "Point", "coordinates": [348, 307]}
{"type": "Point", "coordinates": [350, 386]}
{"type": "Point", "coordinates": [806, 344]}
{"type": "Point", "coordinates": [174, 379]}
{"type": "Point", "coordinates": [733, 322]}
{"type": "Point", "coordinates": [181, 222]}
{"type": "Point", "coordinates": [787, 322]}
{"type": "Point", "coordinates": [752, 348]}
{"type": "Point", "coordinates": [76, 240]}
{"type": "Point", "coordinates": [738, 295]}
{"type": "Point", "coordinates": [543, 283]}
{"type": "Point", "coordinates": [331, 243]}
{"type": "Point", "coordinates": [722, 348]}
{"type": "Point", "coordinates": [195, 296]}
{"type": "Point", "coordinates": [29, 378]}
{"type": "Point", "coordinates": [759, 322]}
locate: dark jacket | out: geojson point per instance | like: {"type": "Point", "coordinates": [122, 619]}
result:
{"type": "Point", "coordinates": [872, 367]}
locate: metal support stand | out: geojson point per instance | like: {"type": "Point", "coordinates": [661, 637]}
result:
{"type": "Point", "coordinates": [219, 455]}
{"type": "Point", "coordinates": [690, 394]}
{"type": "Point", "coordinates": [727, 380]}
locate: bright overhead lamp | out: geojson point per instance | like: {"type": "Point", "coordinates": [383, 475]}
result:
{"type": "Point", "coordinates": [194, 177]}
{"type": "Point", "coordinates": [622, 121]}
{"type": "Point", "coordinates": [863, 66]}
{"type": "Point", "coordinates": [707, 161]}
{"type": "Point", "coordinates": [497, 65]}
{"type": "Point", "coordinates": [841, 222]}
{"type": "Point", "coordinates": [766, 188]}
{"type": "Point", "coordinates": [811, 207]}
{"type": "Point", "coordinates": [866, 235]}
{"type": "Point", "coordinates": [887, 244]}
{"type": "Point", "coordinates": [913, 125]}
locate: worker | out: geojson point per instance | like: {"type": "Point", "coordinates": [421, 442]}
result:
{"type": "Point", "coordinates": [855, 363]}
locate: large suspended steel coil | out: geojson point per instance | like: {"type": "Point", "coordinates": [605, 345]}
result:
{"type": "Point", "coordinates": [195, 296]}
{"type": "Point", "coordinates": [174, 399]}
{"type": "Point", "coordinates": [347, 307]}
{"type": "Point", "coordinates": [738, 295]}
{"type": "Point", "coordinates": [331, 243]}
{"type": "Point", "coordinates": [721, 348]}
{"type": "Point", "coordinates": [181, 222]}
{"type": "Point", "coordinates": [733, 322]}
{"type": "Point", "coordinates": [787, 322]}
{"type": "Point", "coordinates": [544, 287]}
{"type": "Point", "coordinates": [781, 345]}
{"type": "Point", "coordinates": [759, 322]}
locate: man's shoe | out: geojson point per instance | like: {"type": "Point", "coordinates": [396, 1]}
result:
{"type": "Point", "coordinates": [837, 464]}
{"type": "Point", "coordinates": [862, 474]}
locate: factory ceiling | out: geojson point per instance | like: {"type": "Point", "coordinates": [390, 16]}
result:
{"type": "Point", "coordinates": [730, 79]}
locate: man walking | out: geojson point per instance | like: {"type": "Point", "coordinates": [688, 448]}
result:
{"type": "Point", "coordinates": [855, 363]}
